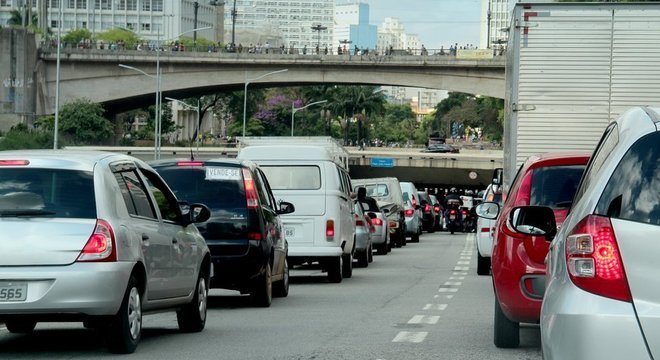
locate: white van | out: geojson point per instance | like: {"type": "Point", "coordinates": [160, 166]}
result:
{"type": "Point", "coordinates": [322, 228]}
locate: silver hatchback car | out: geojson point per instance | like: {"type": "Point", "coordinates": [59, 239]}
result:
{"type": "Point", "coordinates": [602, 298]}
{"type": "Point", "coordinates": [98, 238]}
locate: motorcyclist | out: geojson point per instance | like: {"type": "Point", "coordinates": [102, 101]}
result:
{"type": "Point", "coordinates": [453, 201]}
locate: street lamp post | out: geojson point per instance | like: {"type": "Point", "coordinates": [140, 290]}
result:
{"type": "Point", "coordinates": [346, 42]}
{"type": "Point", "coordinates": [57, 76]}
{"type": "Point", "coordinates": [247, 82]}
{"type": "Point", "coordinates": [318, 28]}
{"type": "Point", "coordinates": [233, 26]}
{"type": "Point", "coordinates": [197, 110]}
{"type": "Point", "coordinates": [294, 110]}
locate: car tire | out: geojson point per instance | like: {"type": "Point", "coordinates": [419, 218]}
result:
{"type": "Point", "coordinates": [370, 254]}
{"type": "Point", "coordinates": [363, 258]}
{"type": "Point", "coordinates": [414, 238]}
{"type": "Point", "coordinates": [262, 294]}
{"type": "Point", "coordinates": [383, 249]}
{"type": "Point", "coordinates": [483, 265]}
{"type": "Point", "coordinates": [335, 270]}
{"type": "Point", "coordinates": [125, 328]}
{"type": "Point", "coordinates": [281, 288]}
{"type": "Point", "coordinates": [506, 332]}
{"type": "Point", "coordinates": [20, 327]}
{"type": "Point", "coordinates": [347, 268]}
{"type": "Point", "coordinates": [192, 317]}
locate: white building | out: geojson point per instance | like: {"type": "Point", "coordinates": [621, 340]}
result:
{"type": "Point", "coordinates": [149, 19]}
{"type": "Point", "coordinates": [352, 24]}
{"type": "Point", "coordinates": [280, 22]}
{"type": "Point", "coordinates": [393, 34]}
{"type": "Point", "coordinates": [496, 15]}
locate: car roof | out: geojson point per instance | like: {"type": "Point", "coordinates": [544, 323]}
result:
{"type": "Point", "coordinates": [64, 159]}
{"type": "Point", "coordinates": [215, 161]}
{"type": "Point", "coordinates": [557, 158]}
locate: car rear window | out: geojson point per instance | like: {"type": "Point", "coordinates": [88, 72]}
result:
{"type": "Point", "coordinates": [293, 177]}
{"type": "Point", "coordinates": [377, 190]}
{"type": "Point", "coordinates": [47, 192]}
{"type": "Point", "coordinates": [555, 186]}
{"type": "Point", "coordinates": [219, 188]}
{"type": "Point", "coordinates": [632, 191]}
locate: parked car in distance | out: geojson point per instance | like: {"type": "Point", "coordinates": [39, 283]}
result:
{"type": "Point", "coordinates": [518, 260]}
{"type": "Point", "coordinates": [107, 240]}
{"type": "Point", "coordinates": [485, 231]}
{"type": "Point", "coordinates": [412, 211]}
{"type": "Point", "coordinates": [428, 212]}
{"type": "Point", "coordinates": [244, 232]}
{"type": "Point", "coordinates": [441, 148]}
{"type": "Point", "coordinates": [363, 230]}
{"type": "Point", "coordinates": [387, 192]}
{"type": "Point", "coordinates": [323, 227]}
{"type": "Point", "coordinates": [602, 299]}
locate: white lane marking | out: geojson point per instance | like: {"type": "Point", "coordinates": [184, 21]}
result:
{"type": "Point", "coordinates": [466, 253]}
{"type": "Point", "coordinates": [435, 306]}
{"type": "Point", "coordinates": [453, 283]}
{"type": "Point", "coordinates": [457, 278]}
{"type": "Point", "coordinates": [449, 296]}
{"type": "Point", "coordinates": [447, 290]}
{"type": "Point", "coordinates": [424, 319]}
{"type": "Point", "coordinates": [463, 263]}
{"type": "Point", "coordinates": [461, 268]}
{"type": "Point", "coordinates": [460, 274]}
{"type": "Point", "coordinates": [410, 336]}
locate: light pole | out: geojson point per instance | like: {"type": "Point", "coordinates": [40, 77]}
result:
{"type": "Point", "coordinates": [233, 25]}
{"type": "Point", "coordinates": [197, 110]}
{"type": "Point", "coordinates": [247, 82]}
{"type": "Point", "coordinates": [318, 28]}
{"type": "Point", "coordinates": [57, 76]}
{"type": "Point", "coordinates": [294, 110]}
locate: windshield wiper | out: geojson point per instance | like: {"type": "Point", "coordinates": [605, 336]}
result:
{"type": "Point", "coordinates": [25, 212]}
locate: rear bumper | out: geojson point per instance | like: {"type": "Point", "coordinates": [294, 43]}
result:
{"type": "Point", "coordinates": [412, 225]}
{"type": "Point", "coordinates": [315, 251]}
{"type": "Point", "coordinates": [77, 289]}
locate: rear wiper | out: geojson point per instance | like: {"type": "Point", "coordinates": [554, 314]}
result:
{"type": "Point", "coordinates": [25, 212]}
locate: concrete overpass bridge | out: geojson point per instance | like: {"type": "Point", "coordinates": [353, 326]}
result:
{"type": "Point", "coordinates": [95, 74]}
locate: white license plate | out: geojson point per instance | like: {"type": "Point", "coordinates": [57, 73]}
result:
{"type": "Point", "coordinates": [452, 217]}
{"type": "Point", "coordinates": [13, 291]}
{"type": "Point", "coordinates": [289, 232]}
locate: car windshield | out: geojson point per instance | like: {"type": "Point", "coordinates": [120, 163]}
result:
{"type": "Point", "coordinates": [47, 192]}
{"type": "Point", "coordinates": [293, 177]}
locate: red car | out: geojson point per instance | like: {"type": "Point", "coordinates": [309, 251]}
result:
{"type": "Point", "coordinates": [518, 261]}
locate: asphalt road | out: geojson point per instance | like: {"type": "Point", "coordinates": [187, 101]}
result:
{"type": "Point", "coordinates": [422, 301]}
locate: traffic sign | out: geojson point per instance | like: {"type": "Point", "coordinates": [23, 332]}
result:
{"type": "Point", "coordinates": [382, 162]}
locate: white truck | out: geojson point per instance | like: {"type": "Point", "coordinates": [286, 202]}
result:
{"type": "Point", "coordinates": [571, 69]}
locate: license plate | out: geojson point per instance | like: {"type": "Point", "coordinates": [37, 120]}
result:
{"type": "Point", "coordinates": [13, 291]}
{"type": "Point", "coordinates": [452, 217]}
{"type": "Point", "coordinates": [289, 232]}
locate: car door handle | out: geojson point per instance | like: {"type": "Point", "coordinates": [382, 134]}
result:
{"type": "Point", "coordinates": [145, 237]}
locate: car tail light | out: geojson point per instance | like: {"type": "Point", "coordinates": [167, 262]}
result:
{"type": "Point", "coordinates": [427, 208]}
{"type": "Point", "coordinates": [393, 224]}
{"type": "Point", "coordinates": [436, 209]}
{"type": "Point", "coordinates": [358, 220]}
{"type": "Point", "coordinates": [330, 230]}
{"type": "Point", "coordinates": [101, 244]}
{"type": "Point", "coordinates": [14, 162]}
{"type": "Point", "coordinates": [485, 229]}
{"type": "Point", "coordinates": [189, 163]}
{"type": "Point", "coordinates": [250, 190]}
{"type": "Point", "coordinates": [464, 212]}
{"type": "Point", "coordinates": [370, 224]}
{"type": "Point", "coordinates": [525, 190]}
{"type": "Point", "coordinates": [254, 236]}
{"type": "Point", "coordinates": [377, 222]}
{"type": "Point", "coordinates": [409, 212]}
{"type": "Point", "coordinates": [452, 212]}
{"type": "Point", "coordinates": [594, 261]}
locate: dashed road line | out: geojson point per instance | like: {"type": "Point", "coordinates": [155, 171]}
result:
{"type": "Point", "coordinates": [442, 290]}
{"type": "Point", "coordinates": [410, 336]}
{"type": "Point", "coordinates": [424, 319]}
{"type": "Point", "coordinates": [435, 306]}
{"type": "Point", "coordinates": [457, 278]}
{"type": "Point", "coordinates": [453, 283]}
{"type": "Point", "coordinates": [461, 268]}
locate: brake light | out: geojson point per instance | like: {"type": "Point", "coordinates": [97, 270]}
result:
{"type": "Point", "coordinates": [251, 195]}
{"type": "Point", "coordinates": [594, 261]}
{"type": "Point", "coordinates": [393, 224]}
{"type": "Point", "coordinates": [485, 229]}
{"type": "Point", "coordinates": [525, 190]}
{"type": "Point", "coordinates": [377, 222]}
{"type": "Point", "coordinates": [101, 244]}
{"type": "Point", "coordinates": [189, 163]}
{"type": "Point", "coordinates": [436, 209]}
{"type": "Point", "coordinates": [409, 212]}
{"type": "Point", "coordinates": [453, 212]}
{"type": "Point", "coordinates": [14, 162]}
{"type": "Point", "coordinates": [358, 220]}
{"type": "Point", "coordinates": [427, 208]}
{"type": "Point", "coordinates": [464, 212]}
{"type": "Point", "coordinates": [330, 230]}
{"type": "Point", "coordinates": [254, 236]}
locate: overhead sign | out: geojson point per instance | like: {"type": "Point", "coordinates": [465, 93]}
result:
{"type": "Point", "coordinates": [382, 162]}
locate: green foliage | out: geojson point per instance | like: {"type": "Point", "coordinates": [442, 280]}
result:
{"type": "Point", "coordinates": [82, 122]}
{"type": "Point", "coordinates": [75, 36]}
{"type": "Point", "coordinates": [16, 18]}
{"type": "Point", "coordinates": [21, 137]}
{"type": "Point", "coordinates": [202, 43]}
{"type": "Point", "coordinates": [129, 38]}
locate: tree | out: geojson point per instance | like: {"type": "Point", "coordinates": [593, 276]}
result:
{"type": "Point", "coordinates": [76, 36]}
{"type": "Point", "coordinates": [82, 122]}
{"type": "Point", "coordinates": [441, 123]}
{"type": "Point", "coordinates": [16, 18]}
{"type": "Point", "coordinates": [116, 35]}
{"type": "Point", "coordinates": [21, 137]}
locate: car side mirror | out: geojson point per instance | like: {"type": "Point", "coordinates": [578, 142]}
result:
{"type": "Point", "coordinates": [488, 210]}
{"type": "Point", "coordinates": [498, 175]}
{"type": "Point", "coordinates": [198, 213]}
{"type": "Point", "coordinates": [534, 221]}
{"type": "Point", "coordinates": [286, 208]}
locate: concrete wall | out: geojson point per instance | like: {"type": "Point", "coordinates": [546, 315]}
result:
{"type": "Point", "coordinates": [18, 58]}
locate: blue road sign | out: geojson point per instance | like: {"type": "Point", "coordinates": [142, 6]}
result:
{"type": "Point", "coordinates": [382, 162]}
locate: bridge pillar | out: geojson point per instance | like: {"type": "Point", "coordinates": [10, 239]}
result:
{"type": "Point", "coordinates": [18, 58]}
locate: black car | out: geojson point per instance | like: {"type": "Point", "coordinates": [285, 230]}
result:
{"type": "Point", "coordinates": [428, 212]}
{"type": "Point", "coordinates": [440, 148]}
{"type": "Point", "coordinates": [244, 232]}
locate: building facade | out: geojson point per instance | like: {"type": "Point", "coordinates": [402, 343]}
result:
{"type": "Point", "coordinates": [352, 25]}
{"type": "Point", "coordinates": [293, 24]}
{"type": "Point", "coordinates": [151, 20]}
{"type": "Point", "coordinates": [392, 34]}
{"type": "Point", "coordinates": [496, 15]}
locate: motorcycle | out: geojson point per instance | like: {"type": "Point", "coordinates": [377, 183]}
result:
{"type": "Point", "coordinates": [453, 216]}
{"type": "Point", "coordinates": [469, 219]}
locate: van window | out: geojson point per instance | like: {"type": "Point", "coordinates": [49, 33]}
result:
{"type": "Point", "coordinates": [632, 191]}
{"type": "Point", "coordinates": [302, 177]}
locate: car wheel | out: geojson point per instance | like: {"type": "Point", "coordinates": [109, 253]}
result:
{"type": "Point", "coordinates": [20, 327]}
{"type": "Point", "coordinates": [334, 269]}
{"type": "Point", "coordinates": [347, 269]}
{"type": "Point", "coordinates": [363, 258]}
{"type": "Point", "coordinates": [414, 238]}
{"type": "Point", "coordinates": [370, 254]}
{"type": "Point", "coordinates": [383, 249]}
{"type": "Point", "coordinates": [125, 328]}
{"type": "Point", "coordinates": [281, 288]}
{"type": "Point", "coordinates": [483, 265]}
{"type": "Point", "coordinates": [507, 332]}
{"type": "Point", "coordinates": [262, 295]}
{"type": "Point", "coordinates": [192, 317]}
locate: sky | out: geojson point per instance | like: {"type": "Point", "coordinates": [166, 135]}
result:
{"type": "Point", "coordinates": [436, 22]}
